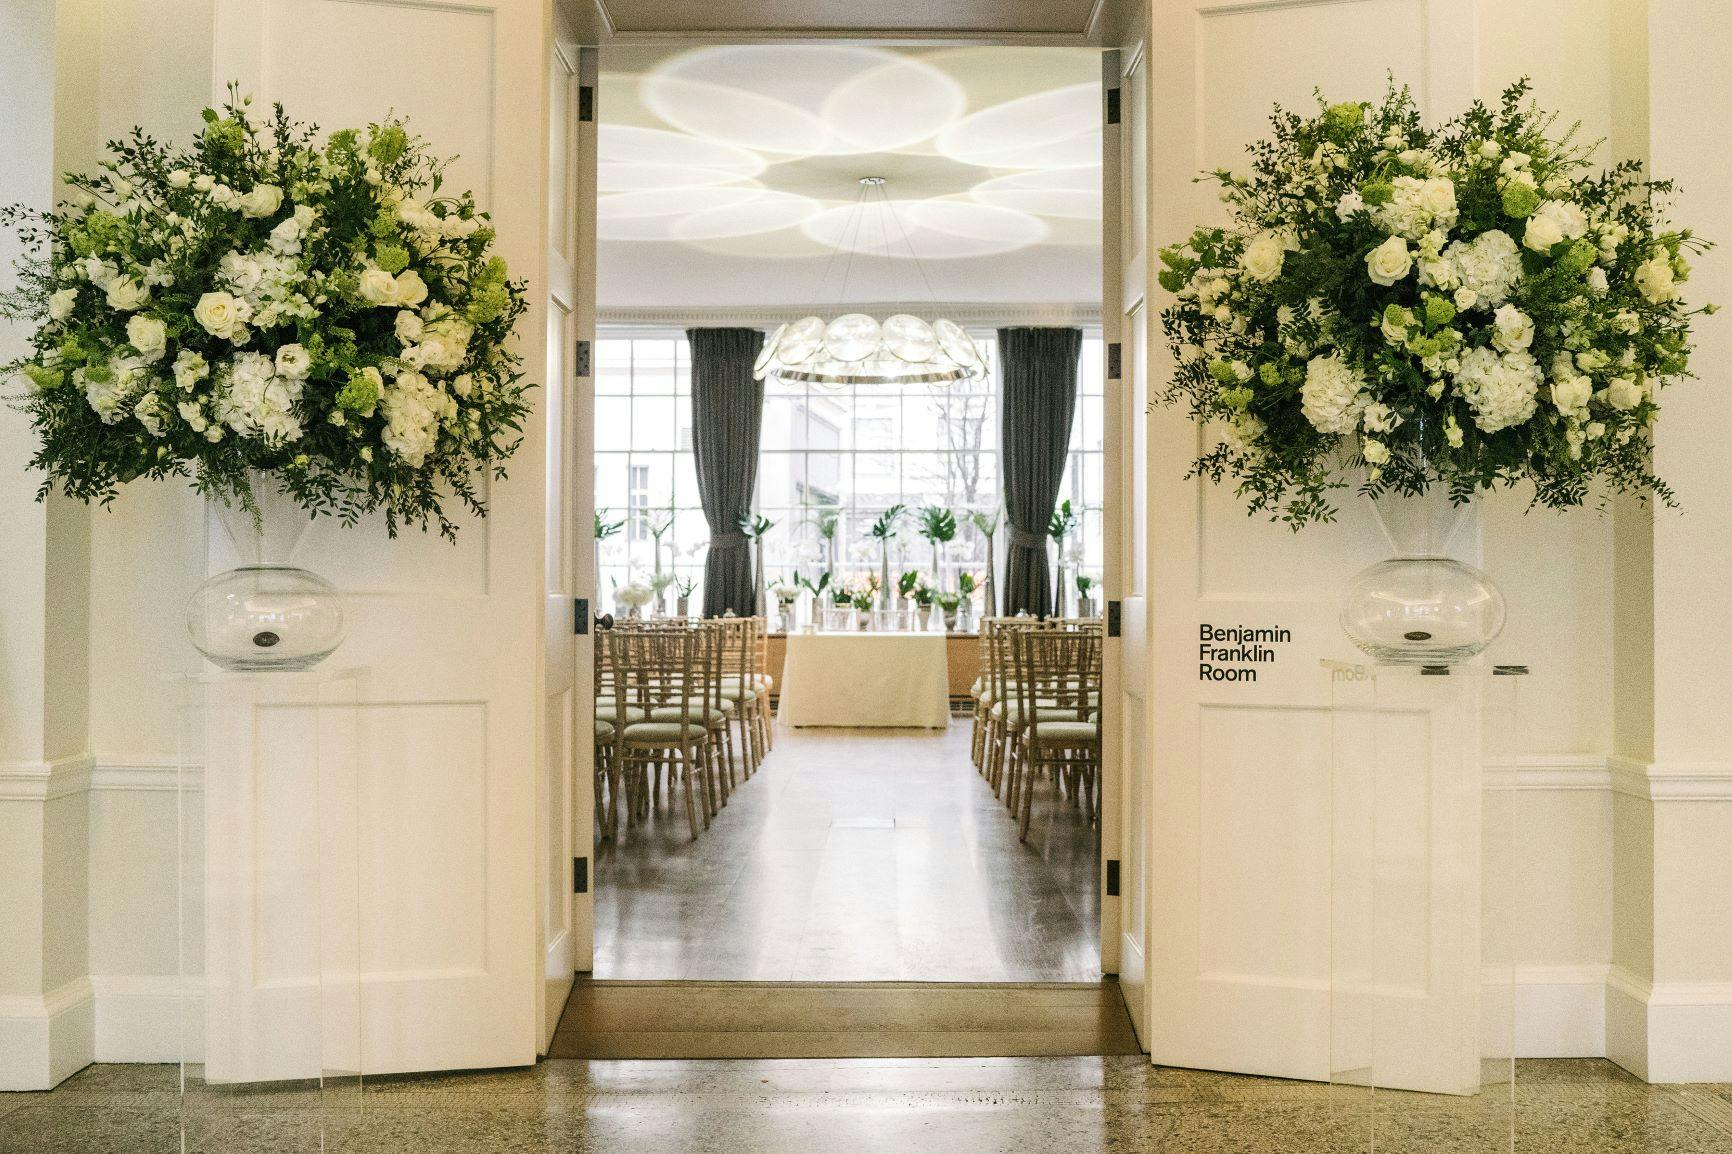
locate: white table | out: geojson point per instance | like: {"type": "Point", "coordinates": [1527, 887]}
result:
{"type": "Point", "coordinates": [865, 680]}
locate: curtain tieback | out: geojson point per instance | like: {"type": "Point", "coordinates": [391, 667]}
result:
{"type": "Point", "coordinates": [1023, 539]}
{"type": "Point", "coordinates": [731, 540]}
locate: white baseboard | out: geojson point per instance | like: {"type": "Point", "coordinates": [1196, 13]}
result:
{"type": "Point", "coordinates": [45, 1040]}
{"type": "Point", "coordinates": [1560, 1011]}
{"type": "Point", "coordinates": [148, 1019]}
{"type": "Point", "coordinates": [1669, 1031]}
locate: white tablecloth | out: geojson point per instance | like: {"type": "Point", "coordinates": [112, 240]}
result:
{"type": "Point", "coordinates": [866, 679]}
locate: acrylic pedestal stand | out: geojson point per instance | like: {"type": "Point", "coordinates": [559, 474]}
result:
{"type": "Point", "coordinates": [1424, 903]}
{"type": "Point", "coordinates": [271, 937]}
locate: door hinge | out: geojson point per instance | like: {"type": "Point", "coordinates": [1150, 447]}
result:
{"type": "Point", "coordinates": [580, 615]}
{"type": "Point", "coordinates": [580, 360]}
{"type": "Point", "coordinates": [1113, 610]}
{"type": "Point", "coordinates": [1115, 361]}
{"type": "Point", "coordinates": [1112, 877]}
{"type": "Point", "coordinates": [1112, 106]}
{"type": "Point", "coordinates": [579, 875]}
{"type": "Point", "coordinates": [586, 103]}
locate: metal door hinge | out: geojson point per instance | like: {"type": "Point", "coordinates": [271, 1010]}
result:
{"type": "Point", "coordinates": [586, 103]}
{"type": "Point", "coordinates": [579, 875]}
{"type": "Point", "coordinates": [580, 360]}
{"type": "Point", "coordinates": [1113, 610]}
{"type": "Point", "coordinates": [1112, 877]}
{"type": "Point", "coordinates": [1112, 106]}
{"type": "Point", "coordinates": [1115, 361]}
{"type": "Point", "coordinates": [580, 615]}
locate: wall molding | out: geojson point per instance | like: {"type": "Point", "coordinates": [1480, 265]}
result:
{"type": "Point", "coordinates": [1671, 781]}
{"type": "Point", "coordinates": [979, 314]}
{"type": "Point", "coordinates": [45, 780]}
{"type": "Point", "coordinates": [1550, 771]}
{"type": "Point", "coordinates": [144, 774]}
{"type": "Point", "coordinates": [46, 1039]}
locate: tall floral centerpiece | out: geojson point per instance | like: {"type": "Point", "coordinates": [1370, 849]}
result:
{"type": "Point", "coordinates": [1060, 528]}
{"type": "Point", "coordinates": [938, 526]}
{"type": "Point", "coordinates": [986, 524]}
{"type": "Point", "coordinates": [883, 530]}
{"type": "Point", "coordinates": [299, 328]}
{"type": "Point", "coordinates": [1428, 313]}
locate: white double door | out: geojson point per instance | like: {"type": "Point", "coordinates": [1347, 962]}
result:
{"type": "Point", "coordinates": [440, 747]}
{"type": "Point", "coordinates": [1236, 783]}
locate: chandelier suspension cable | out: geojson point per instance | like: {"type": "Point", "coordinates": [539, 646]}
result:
{"type": "Point", "coordinates": [896, 217]}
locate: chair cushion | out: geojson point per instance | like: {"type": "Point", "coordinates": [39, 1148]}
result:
{"type": "Point", "coordinates": [604, 711]}
{"type": "Point", "coordinates": [603, 730]}
{"type": "Point", "coordinates": [1062, 733]}
{"type": "Point", "coordinates": [696, 711]}
{"type": "Point", "coordinates": [1012, 711]}
{"type": "Point", "coordinates": [664, 733]}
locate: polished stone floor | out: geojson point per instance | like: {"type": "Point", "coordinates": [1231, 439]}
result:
{"type": "Point", "coordinates": [953, 1106]}
{"type": "Point", "coordinates": [854, 855]}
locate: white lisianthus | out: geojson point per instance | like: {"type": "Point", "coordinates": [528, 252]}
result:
{"type": "Point", "coordinates": [1452, 432]}
{"type": "Point", "coordinates": [1623, 394]}
{"type": "Point", "coordinates": [1503, 390]}
{"type": "Point", "coordinates": [1489, 267]}
{"type": "Point", "coordinates": [61, 301]}
{"type": "Point", "coordinates": [193, 416]}
{"type": "Point", "coordinates": [294, 361]}
{"type": "Point", "coordinates": [1655, 281]}
{"type": "Point", "coordinates": [125, 294]}
{"type": "Point", "coordinates": [1380, 418]}
{"type": "Point", "coordinates": [261, 201]}
{"type": "Point", "coordinates": [1333, 394]}
{"type": "Point", "coordinates": [148, 335]}
{"type": "Point", "coordinates": [1512, 329]}
{"type": "Point", "coordinates": [1264, 256]}
{"type": "Point", "coordinates": [1389, 262]}
{"type": "Point", "coordinates": [150, 414]}
{"type": "Point", "coordinates": [1374, 452]}
{"type": "Point", "coordinates": [221, 315]}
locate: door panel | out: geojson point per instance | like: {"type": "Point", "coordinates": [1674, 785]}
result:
{"type": "Point", "coordinates": [443, 715]}
{"type": "Point", "coordinates": [1239, 798]}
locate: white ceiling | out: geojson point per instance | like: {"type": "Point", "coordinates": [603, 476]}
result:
{"type": "Point", "coordinates": [730, 174]}
{"type": "Point", "coordinates": [901, 18]}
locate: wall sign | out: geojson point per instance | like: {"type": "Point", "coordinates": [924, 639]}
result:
{"type": "Point", "coordinates": [1233, 652]}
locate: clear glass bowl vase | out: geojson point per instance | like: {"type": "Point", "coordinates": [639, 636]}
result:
{"type": "Point", "coordinates": [1422, 607]}
{"type": "Point", "coordinates": [265, 615]}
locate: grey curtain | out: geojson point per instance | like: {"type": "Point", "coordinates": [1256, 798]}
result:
{"type": "Point", "coordinates": [727, 415]}
{"type": "Point", "coordinates": [1038, 371]}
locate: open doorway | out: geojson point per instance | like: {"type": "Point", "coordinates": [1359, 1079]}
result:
{"type": "Point", "coordinates": [727, 185]}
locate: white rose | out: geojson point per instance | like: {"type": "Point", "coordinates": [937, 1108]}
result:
{"type": "Point", "coordinates": [1389, 262]}
{"type": "Point", "coordinates": [305, 215]}
{"type": "Point", "coordinates": [179, 178]}
{"type": "Point", "coordinates": [410, 289]}
{"type": "Point", "coordinates": [1542, 233]}
{"type": "Point", "coordinates": [126, 294]}
{"type": "Point", "coordinates": [1572, 393]}
{"type": "Point", "coordinates": [1437, 196]}
{"type": "Point", "coordinates": [148, 335]}
{"type": "Point", "coordinates": [1655, 281]}
{"type": "Point", "coordinates": [1512, 329]}
{"type": "Point", "coordinates": [294, 361]}
{"type": "Point", "coordinates": [1374, 452]}
{"type": "Point", "coordinates": [1349, 206]}
{"type": "Point", "coordinates": [1264, 256]}
{"type": "Point", "coordinates": [1623, 393]}
{"type": "Point", "coordinates": [1597, 280]}
{"type": "Point", "coordinates": [218, 312]}
{"type": "Point", "coordinates": [1465, 298]}
{"type": "Point", "coordinates": [60, 303]}
{"type": "Point", "coordinates": [203, 182]}
{"type": "Point", "coordinates": [378, 287]}
{"type": "Point", "coordinates": [408, 327]}
{"type": "Point", "coordinates": [262, 200]}
{"type": "Point", "coordinates": [1567, 215]}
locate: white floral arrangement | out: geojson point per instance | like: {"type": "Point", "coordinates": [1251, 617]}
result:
{"type": "Point", "coordinates": [634, 595]}
{"type": "Point", "coordinates": [1462, 305]}
{"type": "Point", "coordinates": [784, 593]}
{"type": "Point", "coordinates": [260, 301]}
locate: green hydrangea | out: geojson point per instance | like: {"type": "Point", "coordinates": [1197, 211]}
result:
{"type": "Point", "coordinates": [393, 258]}
{"type": "Point", "coordinates": [388, 144]}
{"type": "Point", "coordinates": [360, 394]}
{"type": "Point", "coordinates": [1520, 200]}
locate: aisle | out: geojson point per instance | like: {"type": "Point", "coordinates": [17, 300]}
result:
{"type": "Point", "coordinates": [854, 855]}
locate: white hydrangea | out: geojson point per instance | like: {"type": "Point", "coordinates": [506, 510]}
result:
{"type": "Point", "coordinates": [109, 391]}
{"type": "Point", "coordinates": [151, 413]}
{"type": "Point", "coordinates": [1333, 396]}
{"type": "Point", "coordinates": [1503, 390]}
{"type": "Point", "coordinates": [254, 401]}
{"type": "Point", "coordinates": [412, 406]}
{"type": "Point", "coordinates": [1486, 267]}
{"type": "Point", "coordinates": [1417, 206]}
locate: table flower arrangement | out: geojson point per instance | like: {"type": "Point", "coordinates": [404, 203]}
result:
{"type": "Point", "coordinates": [634, 596]}
{"type": "Point", "coordinates": [1465, 305]}
{"type": "Point", "coordinates": [325, 312]}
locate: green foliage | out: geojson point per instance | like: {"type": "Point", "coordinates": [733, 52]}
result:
{"type": "Point", "coordinates": [907, 583]}
{"type": "Point", "coordinates": [1465, 305]}
{"type": "Point", "coordinates": [937, 524]}
{"type": "Point", "coordinates": [257, 301]}
{"type": "Point", "coordinates": [1063, 522]}
{"type": "Point", "coordinates": [605, 528]}
{"type": "Point", "coordinates": [884, 527]}
{"type": "Point", "coordinates": [985, 523]}
{"type": "Point", "coordinates": [752, 526]}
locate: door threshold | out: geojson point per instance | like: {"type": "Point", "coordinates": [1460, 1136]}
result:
{"type": "Point", "coordinates": [716, 1019]}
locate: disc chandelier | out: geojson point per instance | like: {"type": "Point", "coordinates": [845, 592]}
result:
{"type": "Point", "coordinates": [856, 349]}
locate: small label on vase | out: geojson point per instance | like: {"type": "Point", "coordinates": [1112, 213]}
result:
{"type": "Point", "coordinates": [1233, 652]}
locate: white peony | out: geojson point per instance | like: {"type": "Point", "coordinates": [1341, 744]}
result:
{"type": "Point", "coordinates": [1623, 393]}
{"type": "Point", "coordinates": [126, 294]}
{"type": "Point", "coordinates": [221, 315]}
{"type": "Point", "coordinates": [1503, 390]}
{"type": "Point", "coordinates": [1389, 262]}
{"type": "Point", "coordinates": [1488, 267]}
{"type": "Point", "coordinates": [60, 303]}
{"type": "Point", "coordinates": [377, 287]}
{"type": "Point", "coordinates": [1512, 329]}
{"type": "Point", "coordinates": [148, 335]}
{"type": "Point", "coordinates": [1264, 256]}
{"type": "Point", "coordinates": [263, 200]}
{"type": "Point", "coordinates": [1333, 394]}
{"type": "Point", "coordinates": [1655, 281]}
{"type": "Point", "coordinates": [1542, 233]}
{"type": "Point", "coordinates": [294, 361]}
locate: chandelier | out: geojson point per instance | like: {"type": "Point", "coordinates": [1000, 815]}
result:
{"type": "Point", "coordinates": [856, 349]}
